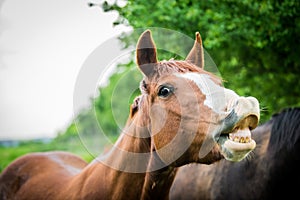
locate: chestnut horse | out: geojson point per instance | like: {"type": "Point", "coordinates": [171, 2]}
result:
{"type": "Point", "coordinates": [272, 172]}
{"type": "Point", "coordinates": [183, 115]}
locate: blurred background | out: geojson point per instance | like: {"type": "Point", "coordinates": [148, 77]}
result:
{"type": "Point", "coordinates": [43, 45]}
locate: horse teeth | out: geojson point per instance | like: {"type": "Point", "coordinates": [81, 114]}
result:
{"type": "Point", "coordinates": [236, 139]}
{"type": "Point", "coordinates": [241, 136]}
{"type": "Point", "coordinates": [247, 140]}
{"type": "Point", "coordinates": [242, 140]}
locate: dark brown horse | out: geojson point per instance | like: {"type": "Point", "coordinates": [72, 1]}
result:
{"type": "Point", "coordinates": [183, 115]}
{"type": "Point", "coordinates": [272, 172]}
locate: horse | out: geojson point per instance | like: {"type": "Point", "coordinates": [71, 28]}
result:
{"type": "Point", "coordinates": [183, 115]}
{"type": "Point", "coordinates": [271, 172]}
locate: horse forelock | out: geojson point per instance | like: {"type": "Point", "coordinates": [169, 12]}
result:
{"type": "Point", "coordinates": [285, 132]}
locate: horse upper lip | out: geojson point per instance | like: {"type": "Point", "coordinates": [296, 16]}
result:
{"type": "Point", "coordinates": [245, 113]}
{"type": "Point", "coordinates": [234, 122]}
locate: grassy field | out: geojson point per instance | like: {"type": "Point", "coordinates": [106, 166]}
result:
{"type": "Point", "coordinates": [8, 154]}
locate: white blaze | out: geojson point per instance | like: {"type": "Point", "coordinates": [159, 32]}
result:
{"type": "Point", "coordinates": [217, 98]}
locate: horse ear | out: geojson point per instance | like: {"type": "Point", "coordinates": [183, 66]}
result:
{"type": "Point", "coordinates": [146, 53]}
{"type": "Point", "coordinates": [196, 55]}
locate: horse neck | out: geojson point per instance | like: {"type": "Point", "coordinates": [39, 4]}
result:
{"type": "Point", "coordinates": [154, 179]}
{"type": "Point", "coordinates": [121, 171]}
{"type": "Point", "coordinates": [130, 169]}
{"type": "Point", "coordinates": [156, 176]}
{"type": "Point", "coordinates": [158, 182]}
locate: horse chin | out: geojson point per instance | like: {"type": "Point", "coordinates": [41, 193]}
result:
{"type": "Point", "coordinates": [237, 145]}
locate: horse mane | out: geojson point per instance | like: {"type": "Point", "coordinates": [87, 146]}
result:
{"type": "Point", "coordinates": [285, 132]}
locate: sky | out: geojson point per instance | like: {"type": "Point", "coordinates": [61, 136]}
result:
{"type": "Point", "coordinates": [43, 46]}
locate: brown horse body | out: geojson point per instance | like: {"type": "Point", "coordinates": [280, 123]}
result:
{"type": "Point", "coordinates": [174, 122]}
{"type": "Point", "coordinates": [272, 171]}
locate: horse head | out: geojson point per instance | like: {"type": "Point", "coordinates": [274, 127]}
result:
{"type": "Point", "coordinates": [191, 116]}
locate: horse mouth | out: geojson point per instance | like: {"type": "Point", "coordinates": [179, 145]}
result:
{"type": "Point", "coordinates": [237, 143]}
{"type": "Point", "coordinates": [239, 140]}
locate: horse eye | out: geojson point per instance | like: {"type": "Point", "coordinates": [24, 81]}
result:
{"type": "Point", "coordinates": [164, 91]}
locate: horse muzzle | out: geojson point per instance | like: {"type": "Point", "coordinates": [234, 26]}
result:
{"type": "Point", "coordinates": [235, 138]}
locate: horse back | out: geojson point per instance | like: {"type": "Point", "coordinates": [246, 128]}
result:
{"type": "Point", "coordinates": [39, 172]}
